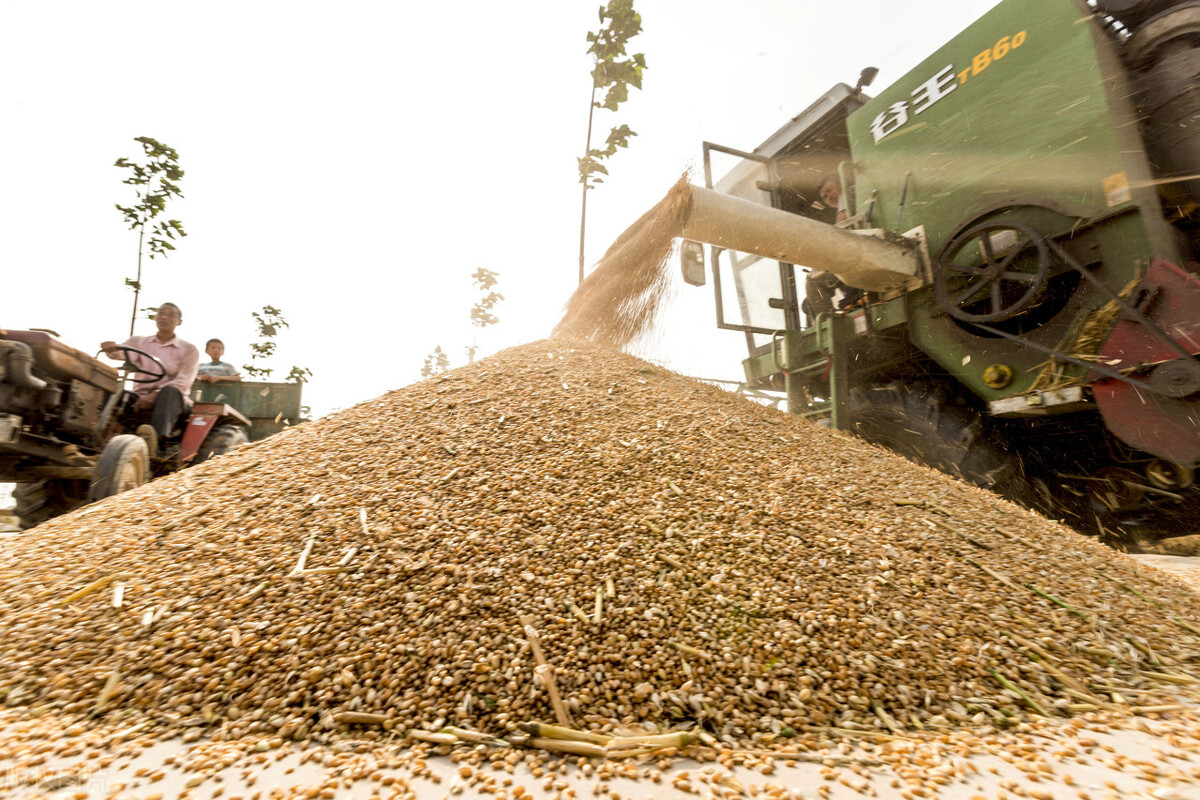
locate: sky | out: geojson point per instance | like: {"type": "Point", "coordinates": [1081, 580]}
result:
{"type": "Point", "coordinates": [352, 164]}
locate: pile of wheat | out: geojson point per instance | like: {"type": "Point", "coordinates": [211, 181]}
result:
{"type": "Point", "coordinates": [684, 559]}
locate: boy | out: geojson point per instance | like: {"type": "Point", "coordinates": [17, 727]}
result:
{"type": "Point", "coordinates": [216, 371]}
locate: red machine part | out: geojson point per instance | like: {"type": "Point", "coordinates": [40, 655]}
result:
{"type": "Point", "coordinates": [203, 418]}
{"type": "Point", "coordinates": [197, 429]}
{"type": "Point", "coordinates": [1168, 427]}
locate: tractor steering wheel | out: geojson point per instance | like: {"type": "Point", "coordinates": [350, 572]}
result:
{"type": "Point", "coordinates": [131, 367]}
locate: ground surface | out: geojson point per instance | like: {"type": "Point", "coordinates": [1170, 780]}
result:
{"type": "Point", "coordinates": [1185, 568]}
{"type": "Point", "coordinates": [1083, 758]}
{"type": "Point", "coordinates": [1075, 760]}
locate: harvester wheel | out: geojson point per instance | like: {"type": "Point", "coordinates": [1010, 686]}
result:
{"type": "Point", "coordinates": [1150, 40]}
{"type": "Point", "coordinates": [124, 464]}
{"type": "Point", "coordinates": [45, 499]}
{"type": "Point", "coordinates": [992, 272]}
{"type": "Point", "coordinates": [221, 440]}
{"type": "Point", "coordinates": [919, 423]}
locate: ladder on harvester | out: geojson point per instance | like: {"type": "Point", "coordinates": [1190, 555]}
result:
{"type": "Point", "coordinates": [813, 363]}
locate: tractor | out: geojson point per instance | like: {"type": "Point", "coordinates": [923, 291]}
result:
{"type": "Point", "coordinates": [68, 434]}
{"type": "Point", "coordinates": [1009, 290]}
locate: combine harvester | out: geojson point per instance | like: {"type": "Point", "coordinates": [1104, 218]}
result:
{"type": "Point", "coordinates": [1010, 294]}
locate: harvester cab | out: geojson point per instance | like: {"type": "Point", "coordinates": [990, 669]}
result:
{"type": "Point", "coordinates": [1029, 317]}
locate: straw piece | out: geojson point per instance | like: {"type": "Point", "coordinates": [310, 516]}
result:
{"type": "Point", "coordinates": [692, 651]}
{"type": "Point", "coordinates": [669, 561]}
{"type": "Point", "coordinates": [86, 590]}
{"type": "Point", "coordinates": [543, 673]}
{"type": "Point", "coordinates": [1012, 687]}
{"type": "Point", "coordinates": [193, 514]}
{"type": "Point", "coordinates": [433, 738]}
{"type": "Point", "coordinates": [679, 739]}
{"type": "Point", "coordinates": [543, 731]}
{"type": "Point", "coordinates": [243, 468]}
{"type": "Point", "coordinates": [577, 612]}
{"type": "Point", "coordinates": [475, 737]}
{"type": "Point", "coordinates": [304, 554]}
{"type": "Point", "coordinates": [566, 746]}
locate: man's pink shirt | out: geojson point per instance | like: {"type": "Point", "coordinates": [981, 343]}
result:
{"type": "Point", "coordinates": [181, 359]}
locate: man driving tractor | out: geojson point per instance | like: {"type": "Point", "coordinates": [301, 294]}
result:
{"type": "Point", "coordinates": [166, 396]}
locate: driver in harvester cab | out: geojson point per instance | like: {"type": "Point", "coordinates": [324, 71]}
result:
{"type": "Point", "coordinates": [822, 288]}
{"type": "Point", "coordinates": [166, 399]}
{"type": "Point", "coordinates": [830, 191]}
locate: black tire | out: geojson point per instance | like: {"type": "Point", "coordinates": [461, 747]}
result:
{"type": "Point", "coordinates": [917, 422]}
{"type": "Point", "coordinates": [124, 464]}
{"type": "Point", "coordinates": [221, 440]}
{"type": "Point", "coordinates": [41, 500]}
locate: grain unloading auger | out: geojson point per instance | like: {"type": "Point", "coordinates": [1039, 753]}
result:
{"type": "Point", "coordinates": [862, 259]}
{"type": "Point", "coordinates": [1011, 294]}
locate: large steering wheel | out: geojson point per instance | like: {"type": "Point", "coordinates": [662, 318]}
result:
{"type": "Point", "coordinates": [131, 367]}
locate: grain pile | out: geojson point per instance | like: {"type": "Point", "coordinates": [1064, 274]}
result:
{"type": "Point", "coordinates": [684, 559]}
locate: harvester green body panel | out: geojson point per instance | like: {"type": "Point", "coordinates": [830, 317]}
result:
{"type": "Point", "coordinates": [1026, 109]}
{"type": "Point", "coordinates": [1015, 110]}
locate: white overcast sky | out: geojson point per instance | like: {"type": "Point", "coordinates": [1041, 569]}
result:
{"type": "Point", "coordinates": [353, 163]}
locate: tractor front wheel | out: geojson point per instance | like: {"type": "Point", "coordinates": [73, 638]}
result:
{"type": "Point", "coordinates": [124, 464]}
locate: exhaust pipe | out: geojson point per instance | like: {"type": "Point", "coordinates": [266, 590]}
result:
{"type": "Point", "coordinates": [20, 361]}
